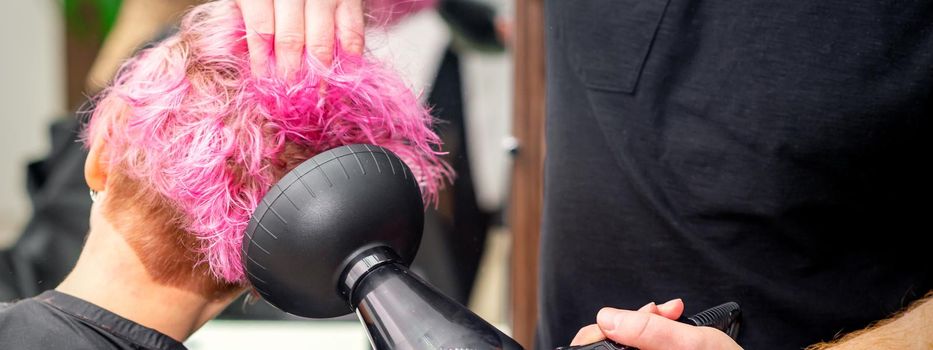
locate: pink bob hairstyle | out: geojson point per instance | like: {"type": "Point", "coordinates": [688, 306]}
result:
{"type": "Point", "coordinates": [187, 121]}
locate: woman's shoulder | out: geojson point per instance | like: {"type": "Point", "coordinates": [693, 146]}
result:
{"type": "Point", "coordinates": [32, 324]}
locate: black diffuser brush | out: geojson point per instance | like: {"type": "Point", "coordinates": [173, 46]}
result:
{"type": "Point", "coordinates": [337, 233]}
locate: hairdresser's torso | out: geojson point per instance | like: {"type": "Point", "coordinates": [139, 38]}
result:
{"type": "Point", "coordinates": [766, 152]}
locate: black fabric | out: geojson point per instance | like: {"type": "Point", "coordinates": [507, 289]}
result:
{"type": "Point", "coordinates": [51, 241]}
{"type": "Point", "coordinates": [766, 152]}
{"type": "Point", "coordinates": [455, 231]}
{"type": "Point", "coordinates": [55, 320]}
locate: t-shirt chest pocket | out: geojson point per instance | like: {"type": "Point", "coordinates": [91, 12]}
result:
{"type": "Point", "coordinates": [608, 41]}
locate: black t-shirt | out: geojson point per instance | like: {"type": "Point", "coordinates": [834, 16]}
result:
{"type": "Point", "coordinates": [771, 153]}
{"type": "Point", "coordinates": [54, 320]}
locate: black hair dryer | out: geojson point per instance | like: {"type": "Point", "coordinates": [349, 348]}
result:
{"type": "Point", "coordinates": [337, 233]}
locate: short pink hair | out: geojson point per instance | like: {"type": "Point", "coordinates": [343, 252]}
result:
{"type": "Point", "coordinates": [186, 120]}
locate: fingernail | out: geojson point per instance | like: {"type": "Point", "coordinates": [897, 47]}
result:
{"type": "Point", "coordinates": [606, 318]}
{"type": "Point", "coordinates": [670, 302]}
{"type": "Point", "coordinates": [649, 307]}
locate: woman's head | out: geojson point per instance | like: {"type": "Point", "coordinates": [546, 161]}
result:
{"type": "Point", "coordinates": [186, 141]}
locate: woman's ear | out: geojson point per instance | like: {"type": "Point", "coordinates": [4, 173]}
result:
{"type": "Point", "coordinates": [95, 169]}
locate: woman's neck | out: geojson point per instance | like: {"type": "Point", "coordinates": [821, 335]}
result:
{"type": "Point", "coordinates": [110, 275]}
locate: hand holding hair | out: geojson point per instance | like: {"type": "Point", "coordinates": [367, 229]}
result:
{"type": "Point", "coordinates": [299, 28]}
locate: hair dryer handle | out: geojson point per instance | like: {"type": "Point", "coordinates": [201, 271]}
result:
{"type": "Point", "coordinates": [400, 311]}
{"type": "Point", "coordinates": [724, 317]}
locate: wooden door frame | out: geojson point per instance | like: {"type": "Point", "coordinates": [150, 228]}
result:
{"type": "Point", "coordinates": [527, 177]}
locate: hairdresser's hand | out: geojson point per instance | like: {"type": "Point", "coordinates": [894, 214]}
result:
{"type": "Point", "coordinates": [652, 327]}
{"type": "Point", "coordinates": [298, 27]}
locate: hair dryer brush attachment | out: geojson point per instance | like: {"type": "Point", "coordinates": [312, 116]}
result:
{"type": "Point", "coordinates": [311, 225]}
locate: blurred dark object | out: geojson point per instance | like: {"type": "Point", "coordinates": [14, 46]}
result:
{"type": "Point", "coordinates": [51, 242]}
{"type": "Point", "coordinates": [472, 21]}
{"type": "Point", "coordinates": [455, 233]}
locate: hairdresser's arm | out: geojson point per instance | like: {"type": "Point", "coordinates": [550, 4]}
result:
{"type": "Point", "coordinates": [912, 329]}
{"type": "Point", "coordinates": [653, 327]}
{"type": "Point", "coordinates": [299, 26]}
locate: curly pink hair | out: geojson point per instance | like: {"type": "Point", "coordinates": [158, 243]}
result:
{"type": "Point", "coordinates": [187, 120]}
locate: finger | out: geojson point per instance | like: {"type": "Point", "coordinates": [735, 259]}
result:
{"type": "Point", "coordinates": [647, 331]}
{"type": "Point", "coordinates": [319, 30]}
{"type": "Point", "coordinates": [259, 20]}
{"type": "Point", "coordinates": [587, 335]}
{"type": "Point", "coordinates": [350, 29]}
{"type": "Point", "coordinates": [672, 309]}
{"type": "Point", "coordinates": [289, 36]}
{"type": "Point", "coordinates": [505, 30]}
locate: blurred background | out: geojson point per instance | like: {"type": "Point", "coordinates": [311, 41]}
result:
{"type": "Point", "coordinates": [455, 55]}
{"type": "Point", "coordinates": [32, 91]}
